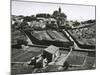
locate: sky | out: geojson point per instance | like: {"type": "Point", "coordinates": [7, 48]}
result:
{"type": "Point", "coordinates": [73, 12]}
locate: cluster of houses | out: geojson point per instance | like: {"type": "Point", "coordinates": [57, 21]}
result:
{"type": "Point", "coordinates": [42, 20]}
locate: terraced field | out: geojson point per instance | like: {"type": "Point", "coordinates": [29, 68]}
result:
{"type": "Point", "coordinates": [83, 59]}
{"type": "Point", "coordinates": [49, 35]}
{"type": "Point", "coordinates": [19, 55]}
{"type": "Point", "coordinates": [41, 35]}
{"type": "Point", "coordinates": [85, 36]}
{"type": "Point", "coordinates": [75, 60]}
{"type": "Point", "coordinates": [57, 36]}
{"type": "Point", "coordinates": [20, 69]}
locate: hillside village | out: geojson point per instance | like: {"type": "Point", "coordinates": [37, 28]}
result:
{"type": "Point", "coordinates": [55, 21]}
{"type": "Point", "coordinates": [66, 44]}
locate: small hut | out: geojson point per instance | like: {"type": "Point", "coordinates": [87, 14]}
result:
{"type": "Point", "coordinates": [51, 53]}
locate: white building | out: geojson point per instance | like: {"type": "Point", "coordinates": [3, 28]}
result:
{"type": "Point", "coordinates": [51, 53]}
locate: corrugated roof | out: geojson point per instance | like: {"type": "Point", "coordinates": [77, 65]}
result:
{"type": "Point", "coordinates": [51, 49]}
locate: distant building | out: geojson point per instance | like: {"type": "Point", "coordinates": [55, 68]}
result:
{"type": "Point", "coordinates": [60, 17]}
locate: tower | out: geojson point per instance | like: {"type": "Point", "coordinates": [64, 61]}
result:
{"type": "Point", "coordinates": [59, 9]}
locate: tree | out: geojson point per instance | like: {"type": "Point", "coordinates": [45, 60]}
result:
{"type": "Point", "coordinates": [21, 16]}
{"type": "Point", "coordinates": [63, 15]}
{"type": "Point", "coordinates": [21, 41]}
{"type": "Point", "coordinates": [43, 15]}
{"type": "Point", "coordinates": [65, 65]}
{"type": "Point", "coordinates": [29, 18]}
{"type": "Point", "coordinates": [90, 21]}
{"type": "Point", "coordinates": [55, 14]}
{"type": "Point", "coordinates": [76, 23]}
